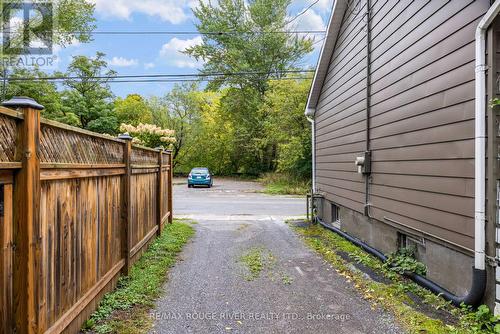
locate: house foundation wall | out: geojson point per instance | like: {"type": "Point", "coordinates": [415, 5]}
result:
{"type": "Point", "coordinates": [446, 266]}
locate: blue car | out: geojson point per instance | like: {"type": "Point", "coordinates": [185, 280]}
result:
{"type": "Point", "coordinates": [200, 177]}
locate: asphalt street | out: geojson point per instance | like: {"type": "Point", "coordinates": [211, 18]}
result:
{"type": "Point", "coordinates": [208, 291]}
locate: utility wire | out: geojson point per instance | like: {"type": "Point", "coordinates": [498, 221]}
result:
{"type": "Point", "coordinates": [191, 80]}
{"type": "Point", "coordinates": [303, 12]}
{"type": "Point", "coordinates": [183, 80]}
{"type": "Point", "coordinates": [156, 32]}
{"type": "Point", "coordinates": [195, 75]}
{"type": "Point", "coordinates": [319, 41]}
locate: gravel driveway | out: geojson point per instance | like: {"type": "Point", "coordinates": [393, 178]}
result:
{"type": "Point", "coordinates": [209, 292]}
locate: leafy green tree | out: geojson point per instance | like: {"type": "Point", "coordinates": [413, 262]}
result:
{"type": "Point", "coordinates": [258, 46]}
{"type": "Point", "coordinates": [89, 96]}
{"type": "Point", "coordinates": [211, 143]}
{"type": "Point", "coordinates": [86, 102]}
{"type": "Point", "coordinates": [253, 47]}
{"type": "Point", "coordinates": [74, 21]}
{"type": "Point", "coordinates": [107, 124]}
{"type": "Point", "coordinates": [249, 154]}
{"type": "Point", "coordinates": [180, 111]}
{"type": "Point", "coordinates": [43, 91]}
{"type": "Point", "coordinates": [133, 110]}
{"type": "Point", "coordinates": [286, 128]}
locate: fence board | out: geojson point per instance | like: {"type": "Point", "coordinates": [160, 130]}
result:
{"type": "Point", "coordinates": [165, 158]}
{"type": "Point", "coordinates": [143, 206]}
{"type": "Point", "coordinates": [6, 297]}
{"type": "Point", "coordinates": [165, 181]}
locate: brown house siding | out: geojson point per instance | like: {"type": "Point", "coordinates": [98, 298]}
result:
{"type": "Point", "coordinates": [421, 115]}
{"type": "Point", "coordinates": [340, 115]}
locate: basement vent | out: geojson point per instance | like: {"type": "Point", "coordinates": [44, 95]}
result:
{"type": "Point", "coordinates": [335, 213]}
{"type": "Point", "coordinates": [406, 241]}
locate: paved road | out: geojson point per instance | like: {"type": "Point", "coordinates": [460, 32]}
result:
{"type": "Point", "coordinates": [229, 198]}
{"type": "Point", "coordinates": [207, 291]}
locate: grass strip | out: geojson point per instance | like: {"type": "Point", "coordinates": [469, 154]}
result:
{"type": "Point", "coordinates": [416, 309]}
{"type": "Point", "coordinates": [126, 309]}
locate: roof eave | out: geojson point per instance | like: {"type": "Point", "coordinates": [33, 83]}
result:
{"type": "Point", "coordinates": [332, 34]}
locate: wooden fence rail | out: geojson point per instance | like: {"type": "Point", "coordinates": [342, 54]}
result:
{"type": "Point", "coordinates": [77, 209]}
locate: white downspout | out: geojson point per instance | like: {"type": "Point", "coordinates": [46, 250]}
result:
{"type": "Point", "coordinates": [480, 138]}
{"type": "Point", "coordinates": [310, 117]}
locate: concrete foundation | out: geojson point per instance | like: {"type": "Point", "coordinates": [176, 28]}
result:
{"type": "Point", "coordinates": [445, 266]}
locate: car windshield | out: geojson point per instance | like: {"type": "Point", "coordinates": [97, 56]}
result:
{"type": "Point", "coordinates": [200, 171]}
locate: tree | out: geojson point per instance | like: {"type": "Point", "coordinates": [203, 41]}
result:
{"type": "Point", "coordinates": [89, 95]}
{"type": "Point", "coordinates": [133, 110]}
{"type": "Point", "coordinates": [256, 43]}
{"type": "Point", "coordinates": [241, 107]}
{"type": "Point", "coordinates": [43, 91]}
{"type": "Point", "coordinates": [253, 47]}
{"type": "Point", "coordinates": [286, 128]}
{"type": "Point", "coordinates": [211, 144]}
{"type": "Point", "coordinates": [181, 112]}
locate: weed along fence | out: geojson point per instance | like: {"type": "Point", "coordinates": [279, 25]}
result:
{"type": "Point", "coordinates": [77, 209]}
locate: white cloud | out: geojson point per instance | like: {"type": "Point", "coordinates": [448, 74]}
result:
{"type": "Point", "coordinates": [172, 52]}
{"type": "Point", "coordinates": [123, 62]}
{"type": "Point", "coordinates": [172, 11]}
{"type": "Point", "coordinates": [310, 20]}
{"type": "Point", "coordinates": [149, 66]}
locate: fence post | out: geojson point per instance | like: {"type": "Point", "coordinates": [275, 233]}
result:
{"type": "Point", "coordinates": [126, 202]}
{"type": "Point", "coordinates": [27, 233]}
{"type": "Point", "coordinates": [170, 190]}
{"type": "Point", "coordinates": [159, 197]}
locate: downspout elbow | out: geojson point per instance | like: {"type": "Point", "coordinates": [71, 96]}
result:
{"type": "Point", "coordinates": [310, 114]}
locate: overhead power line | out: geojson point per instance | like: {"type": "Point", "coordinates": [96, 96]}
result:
{"type": "Point", "coordinates": [192, 80]}
{"type": "Point", "coordinates": [164, 76]}
{"type": "Point", "coordinates": [182, 80]}
{"type": "Point", "coordinates": [319, 41]}
{"type": "Point", "coordinates": [159, 32]}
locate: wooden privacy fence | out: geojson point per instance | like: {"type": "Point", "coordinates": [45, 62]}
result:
{"type": "Point", "coordinates": [77, 209]}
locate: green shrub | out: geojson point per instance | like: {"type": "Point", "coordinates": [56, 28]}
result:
{"type": "Point", "coordinates": [285, 184]}
{"type": "Point", "coordinates": [404, 261]}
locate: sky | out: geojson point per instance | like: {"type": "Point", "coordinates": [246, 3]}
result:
{"type": "Point", "coordinates": [161, 54]}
